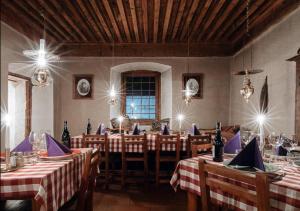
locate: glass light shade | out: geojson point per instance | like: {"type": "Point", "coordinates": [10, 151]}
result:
{"type": "Point", "coordinates": [41, 77]}
{"type": "Point", "coordinates": [247, 90]}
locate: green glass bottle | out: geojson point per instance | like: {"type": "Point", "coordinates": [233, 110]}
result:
{"type": "Point", "coordinates": [218, 145]}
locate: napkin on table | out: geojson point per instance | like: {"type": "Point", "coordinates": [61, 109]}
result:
{"type": "Point", "coordinates": [249, 156]}
{"type": "Point", "coordinates": [166, 131]}
{"type": "Point", "coordinates": [233, 144]}
{"type": "Point", "coordinates": [54, 148]}
{"type": "Point", "coordinates": [25, 145]}
{"type": "Point", "coordinates": [195, 130]}
{"type": "Point", "coordinates": [136, 130]}
{"type": "Point", "coordinates": [281, 151]}
{"type": "Point", "coordinates": [101, 129]}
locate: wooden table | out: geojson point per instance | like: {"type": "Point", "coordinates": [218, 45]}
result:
{"type": "Point", "coordinates": [48, 183]}
{"type": "Point", "coordinates": [285, 194]}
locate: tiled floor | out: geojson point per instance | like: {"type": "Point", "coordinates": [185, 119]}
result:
{"type": "Point", "coordinates": [135, 198]}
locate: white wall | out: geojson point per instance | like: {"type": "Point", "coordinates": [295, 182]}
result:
{"type": "Point", "coordinates": [214, 105]}
{"type": "Point", "coordinates": [12, 45]}
{"type": "Point", "coordinates": [270, 52]}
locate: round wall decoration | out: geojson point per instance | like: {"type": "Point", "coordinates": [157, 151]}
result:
{"type": "Point", "coordinates": [83, 87]}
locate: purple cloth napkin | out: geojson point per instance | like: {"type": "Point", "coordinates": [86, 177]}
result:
{"type": "Point", "coordinates": [136, 130]}
{"type": "Point", "coordinates": [55, 148]}
{"type": "Point", "coordinates": [101, 129]}
{"type": "Point", "coordinates": [166, 131]}
{"type": "Point", "coordinates": [24, 146]}
{"type": "Point", "coordinates": [249, 156]}
{"type": "Point", "coordinates": [281, 151]}
{"type": "Point", "coordinates": [196, 132]}
{"type": "Point", "coordinates": [233, 144]}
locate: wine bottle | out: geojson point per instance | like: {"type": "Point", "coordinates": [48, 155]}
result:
{"type": "Point", "coordinates": [66, 139]}
{"type": "Point", "coordinates": [89, 127]}
{"type": "Point", "coordinates": [218, 146]}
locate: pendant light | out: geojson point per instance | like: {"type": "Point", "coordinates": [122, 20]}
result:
{"type": "Point", "coordinates": [247, 90]}
{"type": "Point", "coordinates": [41, 76]}
{"type": "Point", "coordinates": [188, 93]}
{"type": "Point", "coordinates": [113, 98]}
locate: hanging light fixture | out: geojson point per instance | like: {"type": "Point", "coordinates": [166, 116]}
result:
{"type": "Point", "coordinates": [188, 93]}
{"type": "Point", "coordinates": [247, 90]}
{"type": "Point", "coordinates": [113, 98]}
{"type": "Point", "coordinates": [41, 76]}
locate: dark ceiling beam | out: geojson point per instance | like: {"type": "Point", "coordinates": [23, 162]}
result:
{"type": "Point", "coordinates": [81, 22]}
{"type": "Point", "coordinates": [220, 21]}
{"type": "Point", "coordinates": [229, 22]}
{"type": "Point", "coordinates": [101, 19]}
{"type": "Point", "coordinates": [112, 19]}
{"type": "Point", "coordinates": [266, 23]}
{"type": "Point", "coordinates": [156, 20]}
{"type": "Point", "coordinates": [24, 17]}
{"type": "Point", "coordinates": [266, 12]}
{"type": "Point", "coordinates": [124, 20]}
{"type": "Point", "coordinates": [89, 19]}
{"type": "Point", "coordinates": [178, 18]}
{"type": "Point", "coordinates": [187, 23]}
{"type": "Point", "coordinates": [50, 12]}
{"type": "Point", "coordinates": [256, 5]}
{"type": "Point", "coordinates": [145, 50]}
{"type": "Point", "coordinates": [13, 20]}
{"type": "Point", "coordinates": [167, 19]}
{"type": "Point", "coordinates": [30, 18]}
{"type": "Point", "coordinates": [134, 20]}
{"type": "Point", "coordinates": [212, 16]}
{"type": "Point", "coordinates": [37, 12]}
{"type": "Point", "coordinates": [145, 19]}
{"type": "Point", "coordinates": [200, 18]}
{"type": "Point", "coordinates": [69, 21]}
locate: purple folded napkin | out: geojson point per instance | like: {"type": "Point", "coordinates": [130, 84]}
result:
{"type": "Point", "coordinates": [101, 129]}
{"type": "Point", "coordinates": [233, 144]}
{"type": "Point", "coordinates": [54, 148]}
{"type": "Point", "coordinates": [25, 145]}
{"type": "Point", "coordinates": [281, 151]}
{"type": "Point", "coordinates": [166, 131]}
{"type": "Point", "coordinates": [196, 132]}
{"type": "Point", "coordinates": [249, 156]}
{"type": "Point", "coordinates": [136, 130]}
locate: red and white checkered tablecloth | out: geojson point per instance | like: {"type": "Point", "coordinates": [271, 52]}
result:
{"type": "Point", "coordinates": [115, 144]}
{"type": "Point", "coordinates": [51, 184]}
{"type": "Point", "coordinates": [285, 194]}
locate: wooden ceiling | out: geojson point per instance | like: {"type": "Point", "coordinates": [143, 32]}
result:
{"type": "Point", "coordinates": [145, 27]}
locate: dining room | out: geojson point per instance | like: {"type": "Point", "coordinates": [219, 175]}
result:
{"type": "Point", "coordinates": [216, 128]}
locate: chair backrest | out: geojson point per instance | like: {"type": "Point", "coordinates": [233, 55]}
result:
{"type": "Point", "coordinates": [198, 143]}
{"type": "Point", "coordinates": [95, 141]}
{"type": "Point", "coordinates": [85, 194]}
{"type": "Point", "coordinates": [259, 181]}
{"type": "Point", "coordinates": [135, 141]}
{"type": "Point", "coordinates": [168, 143]}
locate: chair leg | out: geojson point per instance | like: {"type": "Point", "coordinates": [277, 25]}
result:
{"type": "Point", "coordinates": [106, 173]}
{"type": "Point", "coordinates": [157, 173]}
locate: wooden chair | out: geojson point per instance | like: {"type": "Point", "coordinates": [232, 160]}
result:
{"type": "Point", "coordinates": [166, 141]}
{"type": "Point", "coordinates": [101, 141]}
{"type": "Point", "coordinates": [85, 196]}
{"type": "Point", "coordinates": [199, 143]}
{"type": "Point", "coordinates": [135, 141]}
{"type": "Point", "coordinates": [83, 199]}
{"type": "Point", "coordinates": [259, 180]}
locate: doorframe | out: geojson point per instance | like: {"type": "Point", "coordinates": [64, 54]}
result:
{"type": "Point", "coordinates": [28, 103]}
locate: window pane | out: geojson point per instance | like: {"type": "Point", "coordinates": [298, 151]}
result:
{"type": "Point", "coordinates": [140, 97]}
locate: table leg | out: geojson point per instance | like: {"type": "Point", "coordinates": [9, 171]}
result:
{"type": "Point", "coordinates": [192, 201]}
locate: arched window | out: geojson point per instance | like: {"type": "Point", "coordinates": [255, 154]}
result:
{"type": "Point", "coordinates": [141, 95]}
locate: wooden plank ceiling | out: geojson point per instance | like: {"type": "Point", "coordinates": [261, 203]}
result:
{"type": "Point", "coordinates": [145, 27]}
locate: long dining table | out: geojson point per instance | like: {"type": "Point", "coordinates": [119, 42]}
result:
{"type": "Point", "coordinates": [285, 193]}
{"type": "Point", "coordinates": [115, 144]}
{"type": "Point", "coordinates": [49, 184]}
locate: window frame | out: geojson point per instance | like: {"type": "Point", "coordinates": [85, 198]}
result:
{"type": "Point", "coordinates": [142, 73]}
